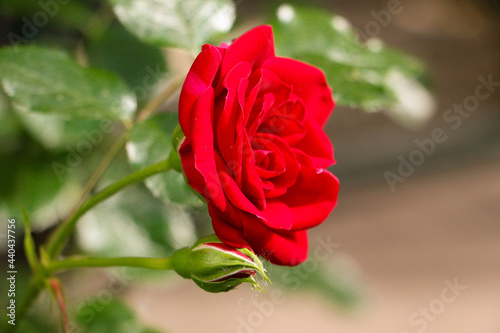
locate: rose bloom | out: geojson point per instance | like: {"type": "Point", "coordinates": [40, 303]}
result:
{"type": "Point", "coordinates": [255, 146]}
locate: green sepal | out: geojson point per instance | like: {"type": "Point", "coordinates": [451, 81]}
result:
{"type": "Point", "coordinates": [217, 268]}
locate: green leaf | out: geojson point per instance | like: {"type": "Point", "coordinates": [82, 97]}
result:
{"type": "Point", "coordinates": [150, 142]}
{"type": "Point", "coordinates": [96, 316]}
{"type": "Point", "coordinates": [141, 65]}
{"type": "Point", "coordinates": [349, 86]}
{"type": "Point", "coordinates": [361, 74]}
{"type": "Point", "coordinates": [48, 81]}
{"type": "Point", "coordinates": [176, 23]}
{"type": "Point", "coordinates": [58, 134]}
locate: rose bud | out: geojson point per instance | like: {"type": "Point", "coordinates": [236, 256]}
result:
{"type": "Point", "coordinates": [215, 266]}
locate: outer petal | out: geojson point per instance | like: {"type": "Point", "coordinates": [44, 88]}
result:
{"type": "Point", "coordinates": [279, 247]}
{"type": "Point", "coordinates": [308, 82]}
{"type": "Point", "coordinates": [227, 232]}
{"type": "Point", "coordinates": [316, 144]}
{"type": "Point", "coordinates": [277, 215]}
{"type": "Point", "coordinates": [254, 47]}
{"type": "Point", "coordinates": [202, 144]}
{"type": "Point", "coordinates": [312, 198]}
{"type": "Point", "coordinates": [193, 176]}
{"type": "Point", "coordinates": [201, 75]}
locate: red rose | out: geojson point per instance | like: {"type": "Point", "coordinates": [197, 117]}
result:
{"type": "Point", "coordinates": [255, 147]}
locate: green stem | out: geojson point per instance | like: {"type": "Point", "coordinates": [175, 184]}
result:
{"type": "Point", "coordinates": [61, 234]}
{"type": "Point", "coordinates": [101, 168]}
{"type": "Point", "coordinates": [79, 261]}
{"type": "Point", "coordinates": [29, 245]}
{"type": "Point", "coordinates": [172, 86]}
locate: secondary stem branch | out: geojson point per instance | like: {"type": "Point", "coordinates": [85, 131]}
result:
{"type": "Point", "coordinates": [172, 86]}
{"type": "Point", "coordinates": [101, 168]}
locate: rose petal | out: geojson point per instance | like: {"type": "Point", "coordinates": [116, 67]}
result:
{"type": "Point", "coordinates": [203, 147]}
{"type": "Point", "coordinates": [231, 114]}
{"type": "Point", "coordinates": [289, 175]}
{"type": "Point", "coordinates": [277, 215]}
{"type": "Point", "coordinates": [269, 164]}
{"type": "Point", "coordinates": [316, 144]}
{"type": "Point", "coordinates": [308, 82]}
{"type": "Point", "coordinates": [312, 198]}
{"type": "Point", "coordinates": [226, 232]}
{"type": "Point", "coordinates": [291, 109]}
{"type": "Point", "coordinates": [268, 92]}
{"type": "Point", "coordinates": [193, 176]}
{"type": "Point", "coordinates": [201, 75]}
{"type": "Point", "coordinates": [286, 121]}
{"type": "Point", "coordinates": [235, 163]}
{"type": "Point", "coordinates": [254, 47]}
{"type": "Point", "coordinates": [233, 192]}
{"type": "Point", "coordinates": [251, 183]}
{"type": "Point", "coordinates": [279, 247]}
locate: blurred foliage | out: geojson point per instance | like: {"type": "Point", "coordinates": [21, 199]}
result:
{"type": "Point", "coordinates": [45, 80]}
{"type": "Point", "coordinates": [368, 75]}
{"type": "Point", "coordinates": [176, 23]}
{"type": "Point", "coordinates": [137, 224]}
{"type": "Point", "coordinates": [73, 75]}
{"type": "Point", "coordinates": [334, 282]}
{"type": "Point", "coordinates": [141, 65]}
{"type": "Point", "coordinates": [108, 316]}
{"type": "Point", "coordinates": [37, 320]}
{"type": "Point", "coordinates": [151, 142]}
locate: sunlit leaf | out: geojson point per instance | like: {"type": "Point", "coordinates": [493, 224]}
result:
{"type": "Point", "coordinates": [48, 81]}
{"type": "Point", "coordinates": [361, 73]}
{"type": "Point", "coordinates": [349, 86]}
{"type": "Point", "coordinates": [176, 23]}
{"type": "Point", "coordinates": [81, 137]}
